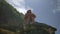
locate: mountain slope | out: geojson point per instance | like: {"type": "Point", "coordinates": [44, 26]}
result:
{"type": "Point", "coordinates": [11, 20]}
{"type": "Point", "coordinates": [9, 15]}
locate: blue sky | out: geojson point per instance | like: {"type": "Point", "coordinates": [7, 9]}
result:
{"type": "Point", "coordinates": [45, 10]}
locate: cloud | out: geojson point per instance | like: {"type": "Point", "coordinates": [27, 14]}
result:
{"type": "Point", "coordinates": [57, 7]}
{"type": "Point", "coordinates": [16, 3]}
{"type": "Point", "coordinates": [19, 5]}
{"type": "Point", "coordinates": [21, 10]}
{"type": "Point", "coordinates": [54, 11]}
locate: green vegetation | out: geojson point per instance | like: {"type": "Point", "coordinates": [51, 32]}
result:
{"type": "Point", "coordinates": [11, 22]}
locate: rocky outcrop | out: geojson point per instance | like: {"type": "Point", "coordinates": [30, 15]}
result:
{"type": "Point", "coordinates": [12, 21]}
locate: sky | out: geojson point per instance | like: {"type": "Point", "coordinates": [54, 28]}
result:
{"type": "Point", "coordinates": [45, 10]}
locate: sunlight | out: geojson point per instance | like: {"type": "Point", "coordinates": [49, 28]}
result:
{"type": "Point", "coordinates": [21, 10]}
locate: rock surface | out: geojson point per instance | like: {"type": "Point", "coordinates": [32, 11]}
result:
{"type": "Point", "coordinates": [11, 22]}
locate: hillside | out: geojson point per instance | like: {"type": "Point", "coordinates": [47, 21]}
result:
{"type": "Point", "coordinates": [9, 15]}
{"type": "Point", "coordinates": [11, 22]}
